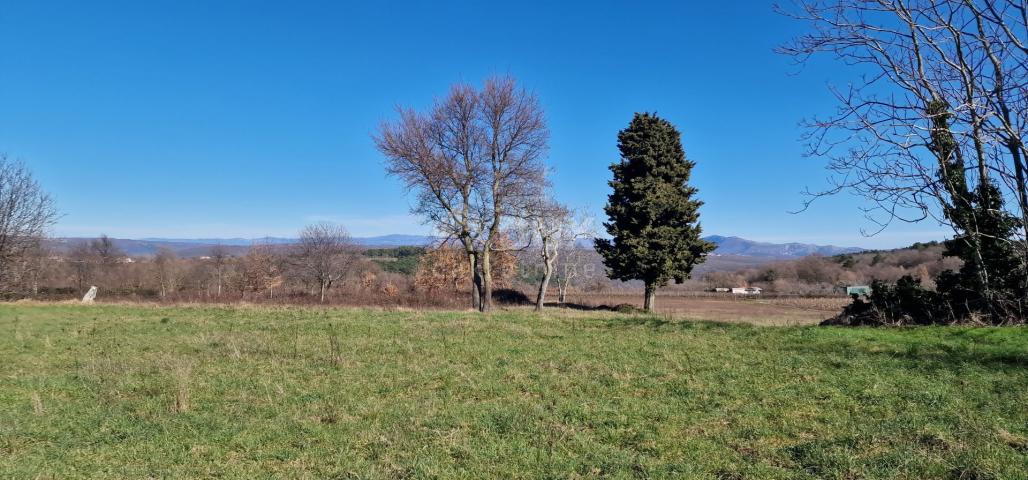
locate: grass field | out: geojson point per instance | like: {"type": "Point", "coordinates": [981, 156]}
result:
{"type": "Point", "coordinates": [200, 392]}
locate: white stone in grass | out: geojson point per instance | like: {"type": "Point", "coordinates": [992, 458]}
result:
{"type": "Point", "coordinates": [90, 296]}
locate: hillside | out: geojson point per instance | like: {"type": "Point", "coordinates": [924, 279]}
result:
{"type": "Point", "coordinates": [825, 274]}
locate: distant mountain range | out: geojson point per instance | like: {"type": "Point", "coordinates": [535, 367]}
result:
{"type": "Point", "coordinates": [394, 240]}
{"type": "Point", "coordinates": [194, 247]}
{"type": "Point", "coordinates": [750, 248]}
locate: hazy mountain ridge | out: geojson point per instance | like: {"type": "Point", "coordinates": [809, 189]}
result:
{"type": "Point", "coordinates": [741, 246]}
{"type": "Point", "coordinates": [198, 247]}
{"type": "Point", "coordinates": [194, 247]}
{"type": "Point", "coordinates": [391, 240]}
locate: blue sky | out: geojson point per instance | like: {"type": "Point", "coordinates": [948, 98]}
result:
{"type": "Point", "coordinates": [247, 119]}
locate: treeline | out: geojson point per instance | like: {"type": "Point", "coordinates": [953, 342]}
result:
{"type": "Point", "coordinates": [828, 275]}
{"type": "Point", "coordinates": [323, 267]}
{"type": "Point", "coordinates": [262, 273]}
{"type": "Point", "coordinates": [403, 259]}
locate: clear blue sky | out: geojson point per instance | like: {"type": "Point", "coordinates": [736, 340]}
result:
{"type": "Point", "coordinates": [247, 119]}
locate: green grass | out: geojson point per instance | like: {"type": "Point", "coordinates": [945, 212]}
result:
{"type": "Point", "coordinates": [192, 392]}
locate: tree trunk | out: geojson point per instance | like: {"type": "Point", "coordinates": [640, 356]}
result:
{"type": "Point", "coordinates": [650, 302]}
{"type": "Point", "coordinates": [562, 291]}
{"type": "Point", "coordinates": [1022, 194]}
{"type": "Point", "coordinates": [476, 291]}
{"type": "Point", "coordinates": [322, 292]}
{"type": "Point", "coordinates": [540, 299]}
{"type": "Point", "coordinates": [486, 299]}
{"type": "Point", "coordinates": [476, 282]}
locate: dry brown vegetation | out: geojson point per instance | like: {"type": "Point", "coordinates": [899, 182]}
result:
{"type": "Point", "coordinates": [801, 291]}
{"type": "Point", "coordinates": [266, 275]}
{"type": "Point", "coordinates": [816, 275]}
{"type": "Point", "coordinates": [792, 310]}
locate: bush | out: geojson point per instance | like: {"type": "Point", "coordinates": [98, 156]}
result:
{"type": "Point", "coordinates": [905, 303]}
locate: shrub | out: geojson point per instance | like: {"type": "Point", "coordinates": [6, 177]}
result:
{"type": "Point", "coordinates": [904, 303]}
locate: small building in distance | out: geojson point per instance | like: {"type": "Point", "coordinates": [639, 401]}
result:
{"type": "Point", "coordinates": [746, 290]}
{"type": "Point", "coordinates": [722, 289]}
{"type": "Point", "coordinates": [858, 290]}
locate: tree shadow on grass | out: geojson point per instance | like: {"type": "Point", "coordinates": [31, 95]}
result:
{"type": "Point", "coordinates": [656, 321]}
{"type": "Point", "coordinates": [582, 307]}
{"type": "Point", "coordinates": [927, 355]}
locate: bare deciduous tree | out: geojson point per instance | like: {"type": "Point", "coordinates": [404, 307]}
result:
{"type": "Point", "coordinates": [33, 267]}
{"type": "Point", "coordinates": [437, 156]}
{"type": "Point", "coordinates": [578, 264]}
{"type": "Point", "coordinates": [107, 256]}
{"type": "Point", "coordinates": [555, 229]}
{"type": "Point", "coordinates": [934, 73]}
{"type": "Point", "coordinates": [323, 254]}
{"type": "Point", "coordinates": [474, 161]}
{"type": "Point", "coordinates": [165, 271]}
{"type": "Point", "coordinates": [219, 259]}
{"type": "Point", "coordinates": [26, 212]}
{"type": "Point", "coordinates": [107, 253]}
{"type": "Point", "coordinates": [516, 140]}
{"type": "Point", "coordinates": [81, 259]}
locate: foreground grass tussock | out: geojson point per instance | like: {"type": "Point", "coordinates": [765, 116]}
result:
{"type": "Point", "coordinates": [138, 392]}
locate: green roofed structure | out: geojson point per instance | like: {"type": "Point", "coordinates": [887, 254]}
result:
{"type": "Point", "coordinates": [858, 290]}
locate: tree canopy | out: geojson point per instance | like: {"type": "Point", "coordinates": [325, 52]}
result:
{"type": "Point", "coordinates": [653, 213]}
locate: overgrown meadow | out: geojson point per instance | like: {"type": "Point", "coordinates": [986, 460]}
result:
{"type": "Point", "coordinates": [244, 392]}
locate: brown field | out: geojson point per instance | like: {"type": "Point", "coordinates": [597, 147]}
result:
{"type": "Point", "coordinates": [765, 310]}
{"type": "Point", "coordinates": [722, 308]}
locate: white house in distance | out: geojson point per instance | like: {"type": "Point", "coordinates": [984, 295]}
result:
{"type": "Point", "coordinates": [746, 290]}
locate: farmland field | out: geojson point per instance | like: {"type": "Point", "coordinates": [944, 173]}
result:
{"type": "Point", "coordinates": [766, 310]}
{"type": "Point", "coordinates": [116, 391]}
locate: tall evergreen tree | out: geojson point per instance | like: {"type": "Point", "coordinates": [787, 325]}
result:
{"type": "Point", "coordinates": [653, 215]}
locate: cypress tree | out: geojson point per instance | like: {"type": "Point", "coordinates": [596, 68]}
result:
{"type": "Point", "coordinates": [653, 215]}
